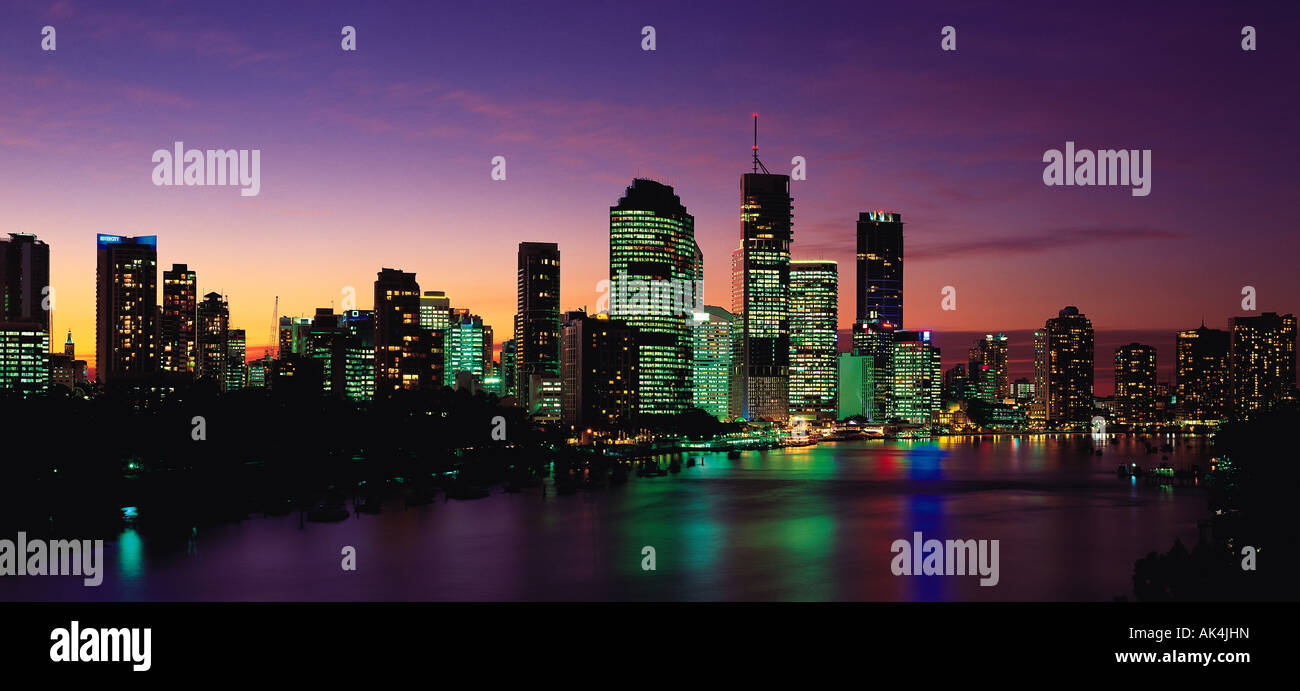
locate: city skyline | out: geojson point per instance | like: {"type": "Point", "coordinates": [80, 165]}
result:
{"type": "Point", "coordinates": [400, 155]}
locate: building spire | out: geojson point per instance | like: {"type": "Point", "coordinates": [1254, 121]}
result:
{"type": "Point", "coordinates": [757, 163]}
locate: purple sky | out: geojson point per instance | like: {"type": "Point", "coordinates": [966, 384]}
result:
{"type": "Point", "coordinates": [381, 157]}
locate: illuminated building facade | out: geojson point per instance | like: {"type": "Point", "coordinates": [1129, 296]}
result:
{"type": "Point", "coordinates": [1135, 383]}
{"type": "Point", "coordinates": [1068, 350]}
{"type": "Point", "coordinates": [213, 334]}
{"type": "Point", "coordinates": [856, 389]}
{"type": "Point", "coordinates": [880, 267]}
{"type": "Point", "coordinates": [537, 310]}
{"type": "Point", "coordinates": [24, 358]}
{"type": "Point", "coordinates": [24, 280]}
{"type": "Point", "coordinates": [711, 361]}
{"type": "Point", "coordinates": [988, 374]}
{"type": "Point", "coordinates": [875, 340]}
{"type": "Point", "coordinates": [598, 372]}
{"type": "Point", "coordinates": [435, 310]}
{"type": "Point", "coordinates": [178, 326]}
{"type": "Point", "coordinates": [126, 307]}
{"type": "Point", "coordinates": [1202, 377]}
{"type": "Point", "coordinates": [1262, 362]}
{"type": "Point", "coordinates": [814, 350]}
{"type": "Point", "coordinates": [463, 348]}
{"type": "Point", "coordinates": [401, 346]}
{"type": "Point", "coordinates": [358, 354]}
{"type": "Point", "coordinates": [652, 268]}
{"type": "Point", "coordinates": [767, 228]}
{"type": "Point", "coordinates": [916, 379]}
{"type": "Point", "coordinates": [236, 361]}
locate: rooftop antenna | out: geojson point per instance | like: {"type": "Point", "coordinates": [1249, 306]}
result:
{"type": "Point", "coordinates": [757, 163]}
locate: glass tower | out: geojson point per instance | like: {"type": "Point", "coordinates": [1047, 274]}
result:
{"type": "Point", "coordinates": [814, 313]}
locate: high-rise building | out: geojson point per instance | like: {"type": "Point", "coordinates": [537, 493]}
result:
{"type": "Point", "coordinates": [954, 383]}
{"type": "Point", "coordinates": [711, 362]}
{"type": "Point", "coordinates": [126, 307]}
{"type": "Point", "coordinates": [1135, 383]}
{"type": "Point", "coordinates": [1038, 407]}
{"type": "Point", "coordinates": [236, 361]}
{"type": "Point", "coordinates": [652, 267]}
{"type": "Point", "coordinates": [916, 379]}
{"type": "Point", "coordinates": [767, 229]}
{"type": "Point", "coordinates": [177, 329]}
{"type": "Point", "coordinates": [880, 267]}
{"type": "Point", "coordinates": [325, 345]}
{"type": "Point", "coordinates": [545, 396]}
{"type": "Point", "coordinates": [814, 339]}
{"type": "Point", "coordinates": [856, 390]}
{"type": "Point", "coordinates": [401, 355]}
{"type": "Point", "coordinates": [435, 310]}
{"type": "Point", "coordinates": [358, 342]}
{"type": "Point", "coordinates": [875, 340]}
{"type": "Point", "coordinates": [537, 310]}
{"type": "Point", "coordinates": [1023, 391]}
{"type": "Point", "coordinates": [24, 357]}
{"type": "Point", "coordinates": [1202, 377]}
{"type": "Point", "coordinates": [1262, 363]}
{"type": "Point", "coordinates": [988, 368]}
{"type": "Point", "coordinates": [509, 369]}
{"type": "Point", "coordinates": [598, 371]}
{"type": "Point", "coordinates": [213, 336]}
{"type": "Point", "coordinates": [259, 372]}
{"type": "Point", "coordinates": [1068, 347]}
{"type": "Point", "coordinates": [25, 280]}
{"type": "Point", "coordinates": [463, 348]}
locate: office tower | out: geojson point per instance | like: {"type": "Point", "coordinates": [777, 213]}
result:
{"type": "Point", "coordinates": [24, 357]}
{"type": "Point", "coordinates": [1068, 346]}
{"type": "Point", "coordinates": [401, 358]}
{"type": "Point", "coordinates": [213, 335]}
{"type": "Point", "coordinates": [1135, 383]}
{"type": "Point", "coordinates": [178, 341]}
{"type": "Point", "coordinates": [1023, 391]}
{"type": "Point", "coordinates": [545, 399]}
{"type": "Point", "coordinates": [435, 310]}
{"type": "Point", "coordinates": [1038, 407]}
{"type": "Point", "coordinates": [1262, 363]}
{"type": "Point", "coordinates": [24, 280]}
{"type": "Point", "coordinates": [880, 267]}
{"type": "Point", "coordinates": [294, 336]}
{"type": "Point", "coordinates": [988, 368]}
{"type": "Point", "coordinates": [916, 380]}
{"type": "Point", "coordinates": [537, 310]}
{"type": "Point", "coordinates": [814, 350]}
{"type": "Point", "coordinates": [711, 362]}
{"type": "Point", "coordinates": [126, 307]}
{"type": "Point", "coordinates": [598, 372]}
{"type": "Point", "coordinates": [236, 361]}
{"type": "Point", "coordinates": [652, 281]}
{"type": "Point", "coordinates": [875, 339]}
{"type": "Point", "coordinates": [1202, 376]}
{"type": "Point", "coordinates": [856, 390]}
{"type": "Point", "coordinates": [70, 348]}
{"type": "Point", "coordinates": [325, 346]}
{"type": "Point", "coordinates": [259, 372]}
{"type": "Point", "coordinates": [463, 348]}
{"type": "Point", "coordinates": [509, 369]}
{"type": "Point", "coordinates": [358, 342]}
{"type": "Point", "coordinates": [767, 228]}
{"type": "Point", "coordinates": [954, 383]}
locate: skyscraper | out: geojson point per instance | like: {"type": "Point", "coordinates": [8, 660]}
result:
{"type": "Point", "coordinates": [1135, 383]}
{"type": "Point", "coordinates": [1202, 376]}
{"type": "Point", "coordinates": [1038, 408]}
{"type": "Point", "coordinates": [767, 229]}
{"type": "Point", "coordinates": [874, 339]}
{"type": "Point", "coordinates": [916, 379]}
{"type": "Point", "coordinates": [178, 340]}
{"type": "Point", "coordinates": [1069, 367]}
{"type": "Point", "coordinates": [24, 358]}
{"type": "Point", "coordinates": [880, 267]}
{"type": "Point", "coordinates": [988, 368]}
{"type": "Point", "coordinates": [126, 307]}
{"type": "Point", "coordinates": [463, 348]}
{"type": "Point", "coordinates": [435, 310]}
{"type": "Point", "coordinates": [1262, 362]}
{"type": "Point", "coordinates": [711, 362]}
{"type": "Point", "coordinates": [598, 372]}
{"type": "Point", "coordinates": [236, 361]}
{"type": "Point", "coordinates": [537, 310]}
{"type": "Point", "coordinates": [509, 369]}
{"type": "Point", "coordinates": [814, 350]}
{"type": "Point", "coordinates": [652, 268]}
{"type": "Point", "coordinates": [325, 345]}
{"type": "Point", "coordinates": [401, 355]}
{"type": "Point", "coordinates": [24, 280]}
{"type": "Point", "coordinates": [856, 390]}
{"type": "Point", "coordinates": [213, 336]}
